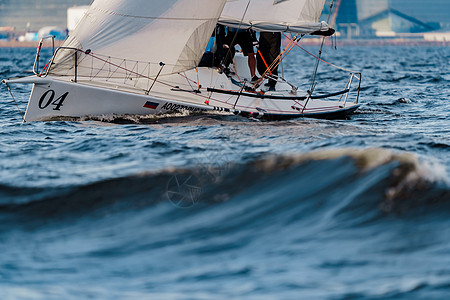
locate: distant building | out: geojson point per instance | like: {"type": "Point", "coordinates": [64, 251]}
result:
{"type": "Point", "coordinates": [32, 15]}
{"type": "Point", "coordinates": [385, 18]}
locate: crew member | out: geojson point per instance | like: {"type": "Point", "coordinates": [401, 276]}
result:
{"type": "Point", "coordinates": [244, 39]}
{"type": "Point", "coordinates": [214, 52]}
{"type": "Point", "coordinates": [269, 52]}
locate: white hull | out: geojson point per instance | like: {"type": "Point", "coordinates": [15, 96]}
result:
{"type": "Point", "coordinates": [194, 91]}
{"type": "Point", "coordinates": [101, 70]}
{"type": "Point", "coordinates": [58, 98]}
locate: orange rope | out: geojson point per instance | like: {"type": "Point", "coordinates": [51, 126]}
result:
{"type": "Point", "coordinates": [278, 60]}
{"type": "Point", "coordinates": [198, 81]}
{"type": "Point", "coordinates": [264, 61]}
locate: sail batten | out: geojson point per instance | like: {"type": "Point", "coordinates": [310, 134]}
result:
{"type": "Point", "coordinates": [300, 16]}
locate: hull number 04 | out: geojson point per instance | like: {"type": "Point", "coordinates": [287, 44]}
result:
{"type": "Point", "coordinates": [48, 98]}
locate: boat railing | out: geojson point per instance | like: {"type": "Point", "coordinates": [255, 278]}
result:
{"type": "Point", "coordinates": [46, 69]}
{"type": "Point", "coordinates": [348, 87]}
{"type": "Point", "coordinates": [107, 68]}
{"type": "Point", "coordinates": [116, 70]}
{"type": "Point", "coordinates": [38, 52]}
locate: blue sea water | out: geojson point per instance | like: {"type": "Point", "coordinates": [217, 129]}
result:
{"type": "Point", "coordinates": [221, 207]}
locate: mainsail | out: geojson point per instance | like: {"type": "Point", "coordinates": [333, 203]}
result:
{"type": "Point", "coordinates": [300, 16]}
{"type": "Point", "coordinates": [174, 32]}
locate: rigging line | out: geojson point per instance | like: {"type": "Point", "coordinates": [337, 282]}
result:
{"type": "Point", "coordinates": [281, 111]}
{"type": "Point", "coordinates": [155, 79]}
{"type": "Point", "coordinates": [119, 67]}
{"type": "Point", "coordinates": [278, 60]}
{"type": "Point", "coordinates": [333, 65]}
{"type": "Point", "coordinates": [214, 53]}
{"type": "Point", "coordinates": [235, 34]}
{"type": "Point", "coordinates": [239, 95]}
{"type": "Point", "coordinates": [159, 72]}
{"type": "Point", "coordinates": [121, 58]}
{"type": "Point", "coordinates": [334, 15]}
{"type": "Point", "coordinates": [250, 108]}
{"type": "Point", "coordinates": [313, 83]}
{"type": "Point", "coordinates": [309, 96]}
{"type": "Point", "coordinates": [264, 61]}
{"type": "Point", "coordinates": [282, 58]}
{"type": "Point", "coordinates": [198, 81]}
{"type": "Point", "coordinates": [18, 108]}
{"type": "Point", "coordinates": [193, 81]}
{"type": "Point", "coordinates": [286, 50]}
{"type": "Point", "coordinates": [217, 33]}
{"type": "Point", "coordinates": [187, 79]}
{"type": "Point", "coordinates": [316, 68]}
{"type": "Point", "coordinates": [333, 20]}
{"type": "Point", "coordinates": [110, 12]}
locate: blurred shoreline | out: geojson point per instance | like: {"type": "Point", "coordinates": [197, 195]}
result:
{"type": "Point", "coordinates": [32, 44]}
{"type": "Point", "coordinates": [374, 42]}
{"type": "Point", "coordinates": [370, 42]}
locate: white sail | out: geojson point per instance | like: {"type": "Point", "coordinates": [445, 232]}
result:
{"type": "Point", "coordinates": [301, 16]}
{"type": "Point", "coordinates": [174, 32]}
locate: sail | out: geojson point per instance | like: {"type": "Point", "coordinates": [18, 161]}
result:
{"type": "Point", "coordinates": [175, 32]}
{"type": "Point", "coordinates": [300, 16]}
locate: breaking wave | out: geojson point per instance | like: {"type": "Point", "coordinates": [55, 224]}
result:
{"type": "Point", "coordinates": [376, 179]}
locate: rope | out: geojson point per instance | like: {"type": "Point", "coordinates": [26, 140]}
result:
{"type": "Point", "coordinates": [264, 61]}
{"type": "Point", "coordinates": [187, 79]}
{"type": "Point", "coordinates": [122, 68]}
{"type": "Point", "coordinates": [333, 65]}
{"type": "Point", "coordinates": [277, 60]}
{"type": "Point", "coordinates": [18, 108]}
{"type": "Point", "coordinates": [235, 35]}
{"type": "Point", "coordinates": [313, 82]}
{"type": "Point", "coordinates": [198, 81]}
{"type": "Point", "coordinates": [158, 81]}
{"type": "Point", "coordinates": [106, 62]}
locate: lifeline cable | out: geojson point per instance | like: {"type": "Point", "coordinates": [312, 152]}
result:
{"type": "Point", "coordinates": [313, 82]}
{"type": "Point", "coordinates": [18, 108]}
{"type": "Point", "coordinates": [235, 35]}
{"type": "Point", "coordinates": [320, 53]}
{"type": "Point", "coordinates": [337, 67]}
{"type": "Point", "coordinates": [107, 62]}
{"type": "Point", "coordinates": [278, 60]}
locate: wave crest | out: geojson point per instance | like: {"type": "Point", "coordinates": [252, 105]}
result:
{"type": "Point", "coordinates": [375, 178]}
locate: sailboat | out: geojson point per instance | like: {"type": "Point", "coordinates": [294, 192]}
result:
{"type": "Point", "coordinates": [141, 57]}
